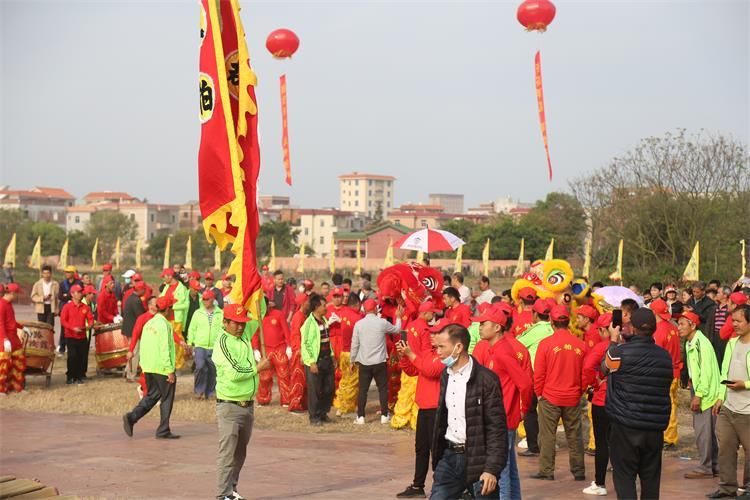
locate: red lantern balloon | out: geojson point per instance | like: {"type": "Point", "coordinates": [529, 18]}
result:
{"type": "Point", "coordinates": [536, 15]}
{"type": "Point", "coordinates": [282, 43]}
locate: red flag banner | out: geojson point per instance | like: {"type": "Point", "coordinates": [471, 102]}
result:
{"type": "Point", "coordinates": [540, 103]}
{"type": "Point", "coordinates": [229, 157]}
{"type": "Point", "coordinates": [285, 131]}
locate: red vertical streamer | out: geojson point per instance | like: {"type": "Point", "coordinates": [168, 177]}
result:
{"type": "Point", "coordinates": [540, 102]}
{"type": "Point", "coordinates": [285, 132]}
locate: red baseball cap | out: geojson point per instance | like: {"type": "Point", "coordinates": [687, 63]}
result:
{"type": "Point", "coordinates": [139, 285]}
{"type": "Point", "coordinates": [236, 313]}
{"type": "Point", "coordinates": [226, 277]}
{"type": "Point", "coordinates": [337, 292]}
{"type": "Point", "coordinates": [483, 307]}
{"type": "Point", "coordinates": [209, 275]}
{"type": "Point", "coordinates": [492, 314]}
{"type": "Point", "coordinates": [107, 279]}
{"type": "Point", "coordinates": [107, 267]}
{"type": "Point", "coordinates": [208, 294]}
{"type": "Point", "coordinates": [527, 293]}
{"type": "Point", "coordinates": [370, 305]}
{"type": "Point", "coordinates": [559, 313]}
{"type": "Point", "coordinates": [661, 309]}
{"type": "Point", "coordinates": [587, 311]}
{"type": "Point", "coordinates": [301, 298]}
{"type": "Point", "coordinates": [163, 303]}
{"type": "Point", "coordinates": [504, 307]}
{"type": "Point", "coordinates": [308, 284]}
{"type": "Point", "coordinates": [428, 306]}
{"type": "Point", "coordinates": [195, 285]}
{"type": "Point", "coordinates": [167, 272]}
{"type": "Point", "coordinates": [541, 307]}
{"type": "Point", "coordinates": [604, 320]}
{"type": "Point", "coordinates": [738, 298]}
{"type": "Point", "coordinates": [74, 288]}
{"type": "Point", "coordinates": [439, 325]}
{"type": "Point", "coordinates": [137, 277]}
{"type": "Point", "coordinates": [692, 317]}
{"type": "Point", "coordinates": [15, 288]}
{"type": "Point", "coordinates": [89, 289]}
{"type": "Point", "coordinates": [195, 275]}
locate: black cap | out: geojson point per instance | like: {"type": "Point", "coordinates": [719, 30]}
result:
{"type": "Point", "coordinates": [643, 319]}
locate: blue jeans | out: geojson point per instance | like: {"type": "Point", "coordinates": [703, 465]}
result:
{"type": "Point", "coordinates": [205, 372]}
{"type": "Point", "coordinates": [449, 478]}
{"type": "Point", "coordinates": [509, 482]}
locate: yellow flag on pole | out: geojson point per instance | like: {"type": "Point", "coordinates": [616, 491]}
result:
{"type": "Point", "coordinates": [165, 264]}
{"type": "Point", "coordinates": [63, 262]}
{"type": "Point", "coordinates": [692, 270]}
{"type": "Point", "coordinates": [744, 259]}
{"type": "Point", "coordinates": [520, 264]}
{"type": "Point", "coordinates": [550, 250]}
{"type": "Point", "coordinates": [272, 260]}
{"type": "Point", "coordinates": [420, 256]}
{"type": "Point", "coordinates": [117, 253]}
{"type": "Point", "coordinates": [301, 265]}
{"type": "Point", "coordinates": [332, 256]}
{"type": "Point", "coordinates": [358, 271]}
{"type": "Point", "coordinates": [459, 265]}
{"type": "Point", "coordinates": [189, 253]}
{"type": "Point", "coordinates": [35, 261]}
{"type": "Point", "coordinates": [617, 275]}
{"type": "Point", "coordinates": [94, 252]}
{"type": "Point", "coordinates": [388, 261]}
{"type": "Point", "coordinates": [486, 259]}
{"type": "Point", "coordinates": [587, 258]}
{"type": "Point", "coordinates": [217, 258]}
{"type": "Point", "coordinates": [138, 254]}
{"type": "Point", "coordinates": [10, 252]}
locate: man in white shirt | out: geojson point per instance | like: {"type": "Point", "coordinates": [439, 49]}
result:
{"type": "Point", "coordinates": [45, 297]}
{"type": "Point", "coordinates": [470, 443]}
{"type": "Point", "coordinates": [485, 294]}
{"type": "Point", "coordinates": [457, 282]}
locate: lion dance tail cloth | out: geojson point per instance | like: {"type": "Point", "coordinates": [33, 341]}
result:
{"type": "Point", "coordinates": [348, 390]}
{"type": "Point", "coordinates": [12, 367]}
{"type": "Point", "coordinates": [406, 409]}
{"type": "Point", "coordinates": [298, 384]}
{"type": "Point", "coordinates": [280, 366]}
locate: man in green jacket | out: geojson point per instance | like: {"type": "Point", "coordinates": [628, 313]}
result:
{"type": "Point", "coordinates": [538, 331]}
{"type": "Point", "coordinates": [174, 289]}
{"type": "Point", "coordinates": [158, 364]}
{"type": "Point", "coordinates": [733, 407]}
{"type": "Point", "coordinates": [317, 356]}
{"type": "Point", "coordinates": [205, 327]}
{"type": "Point", "coordinates": [236, 383]}
{"type": "Point", "coordinates": [703, 371]}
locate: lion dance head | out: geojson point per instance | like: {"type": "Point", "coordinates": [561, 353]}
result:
{"type": "Point", "coordinates": [410, 284]}
{"type": "Point", "coordinates": [550, 279]}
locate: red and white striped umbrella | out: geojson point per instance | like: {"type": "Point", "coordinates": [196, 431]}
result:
{"type": "Point", "coordinates": [429, 240]}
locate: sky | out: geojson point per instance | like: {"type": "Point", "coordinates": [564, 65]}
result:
{"type": "Point", "coordinates": [102, 94]}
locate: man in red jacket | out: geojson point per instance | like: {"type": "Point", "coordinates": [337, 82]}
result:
{"type": "Point", "coordinates": [727, 330]}
{"type": "Point", "coordinates": [509, 359]}
{"type": "Point", "coordinates": [586, 322]}
{"type": "Point", "coordinates": [12, 359]}
{"type": "Point", "coordinates": [525, 318]}
{"type": "Point", "coordinates": [276, 335]}
{"type": "Point", "coordinates": [75, 318]}
{"type": "Point", "coordinates": [348, 387]}
{"type": "Point", "coordinates": [667, 337]}
{"type": "Point", "coordinates": [557, 382]}
{"type": "Point", "coordinates": [456, 312]}
{"type": "Point", "coordinates": [297, 381]}
{"type": "Point", "coordinates": [106, 302]}
{"type": "Point", "coordinates": [333, 317]}
{"type": "Point", "coordinates": [423, 362]}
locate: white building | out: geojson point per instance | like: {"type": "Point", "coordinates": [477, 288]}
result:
{"type": "Point", "coordinates": [40, 204]}
{"type": "Point", "coordinates": [364, 193]}
{"type": "Point", "coordinates": [318, 226]}
{"type": "Point", "coordinates": [451, 203]}
{"type": "Point", "coordinates": [151, 218]}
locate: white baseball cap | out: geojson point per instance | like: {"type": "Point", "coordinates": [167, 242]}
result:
{"type": "Point", "coordinates": [128, 274]}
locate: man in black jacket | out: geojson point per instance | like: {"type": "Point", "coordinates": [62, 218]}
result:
{"type": "Point", "coordinates": [638, 405]}
{"type": "Point", "coordinates": [470, 443]}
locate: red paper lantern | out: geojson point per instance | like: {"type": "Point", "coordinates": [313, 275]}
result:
{"type": "Point", "coordinates": [536, 15]}
{"type": "Point", "coordinates": [282, 43]}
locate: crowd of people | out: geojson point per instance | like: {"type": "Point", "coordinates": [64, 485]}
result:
{"type": "Point", "coordinates": [478, 376]}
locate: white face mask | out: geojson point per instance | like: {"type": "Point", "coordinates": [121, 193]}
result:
{"type": "Point", "coordinates": [450, 360]}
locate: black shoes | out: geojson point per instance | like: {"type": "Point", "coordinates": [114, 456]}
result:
{"type": "Point", "coordinates": [544, 477]}
{"type": "Point", "coordinates": [168, 436]}
{"type": "Point", "coordinates": [127, 425]}
{"type": "Point", "coordinates": [721, 494]}
{"type": "Point", "coordinates": [528, 453]}
{"type": "Point", "coordinates": [412, 491]}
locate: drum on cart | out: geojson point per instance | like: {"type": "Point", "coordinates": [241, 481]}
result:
{"type": "Point", "coordinates": [38, 344]}
{"type": "Point", "coordinates": [111, 346]}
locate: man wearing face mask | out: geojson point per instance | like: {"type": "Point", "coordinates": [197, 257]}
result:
{"type": "Point", "coordinates": [470, 442]}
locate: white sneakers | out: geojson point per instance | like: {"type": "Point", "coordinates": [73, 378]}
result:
{"type": "Point", "coordinates": [359, 420]}
{"type": "Point", "coordinates": [385, 419]}
{"type": "Point", "coordinates": [595, 489]}
{"type": "Point", "coordinates": [523, 444]}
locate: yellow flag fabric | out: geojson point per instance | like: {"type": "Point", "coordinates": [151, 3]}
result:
{"type": "Point", "coordinates": [272, 260]}
{"type": "Point", "coordinates": [35, 261]}
{"type": "Point", "coordinates": [520, 266]}
{"type": "Point", "coordinates": [165, 263]}
{"type": "Point", "coordinates": [359, 259]}
{"type": "Point", "coordinates": [117, 254]}
{"type": "Point", "coordinates": [617, 275]}
{"type": "Point", "coordinates": [138, 254]}
{"type": "Point", "coordinates": [63, 262]}
{"type": "Point", "coordinates": [388, 261]}
{"type": "Point", "coordinates": [744, 259]}
{"type": "Point", "coordinates": [301, 265]}
{"type": "Point", "coordinates": [692, 270]}
{"type": "Point", "coordinates": [10, 252]}
{"type": "Point", "coordinates": [332, 256]}
{"type": "Point", "coordinates": [550, 250]}
{"type": "Point", "coordinates": [587, 258]}
{"type": "Point", "coordinates": [217, 258]}
{"type": "Point", "coordinates": [94, 252]}
{"type": "Point", "coordinates": [486, 258]}
{"type": "Point", "coordinates": [459, 265]}
{"type": "Point", "coordinates": [189, 253]}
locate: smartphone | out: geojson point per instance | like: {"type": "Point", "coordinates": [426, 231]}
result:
{"type": "Point", "coordinates": [617, 318]}
{"type": "Point", "coordinates": [725, 382]}
{"type": "Point", "coordinates": [404, 336]}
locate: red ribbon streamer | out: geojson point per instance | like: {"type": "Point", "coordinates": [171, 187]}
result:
{"type": "Point", "coordinates": [540, 102]}
{"type": "Point", "coordinates": [285, 132]}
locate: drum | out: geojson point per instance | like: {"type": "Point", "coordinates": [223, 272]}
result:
{"type": "Point", "coordinates": [39, 344]}
{"type": "Point", "coordinates": [111, 346]}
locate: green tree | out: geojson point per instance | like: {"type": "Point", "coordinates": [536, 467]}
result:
{"type": "Point", "coordinates": [16, 221]}
{"type": "Point", "coordinates": [284, 236]}
{"type": "Point", "coordinates": [559, 216]}
{"type": "Point", "coordinates": [108, 225]}
{"type": "Point", "coordinates": [53, 237]}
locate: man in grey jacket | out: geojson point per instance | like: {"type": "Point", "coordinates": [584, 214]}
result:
{"type": "Point", "coordinates": [370, 354]}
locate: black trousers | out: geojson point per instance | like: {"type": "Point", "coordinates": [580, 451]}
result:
{"type": "Point", "coordinates": [158, 389]}
{"type": "Point", "coordinates": [86, 355]}
{"type": "Point", "coordinates": [422, 444]}
{"type": "Point", "coordinates": [320, 389]}
{"type": "Point", "coordinates": [531, 424]}
{"type": "Point", "coordinates": [600, 421]}
{"type": "Point", "coordinates": [634, 453]}
{"type": "Point", "coordinates": [77, 354]}
{"type": "Point", "coordinates": [366, 373]}
{"type": "Point", "coordinates": [46, 316]}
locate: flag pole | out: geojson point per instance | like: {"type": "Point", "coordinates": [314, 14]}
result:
{"type": "Point", "coordinates": [261, 337]}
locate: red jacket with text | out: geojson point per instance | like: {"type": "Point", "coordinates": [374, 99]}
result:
{"type": "Point", "coordinates": [558, 368]}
